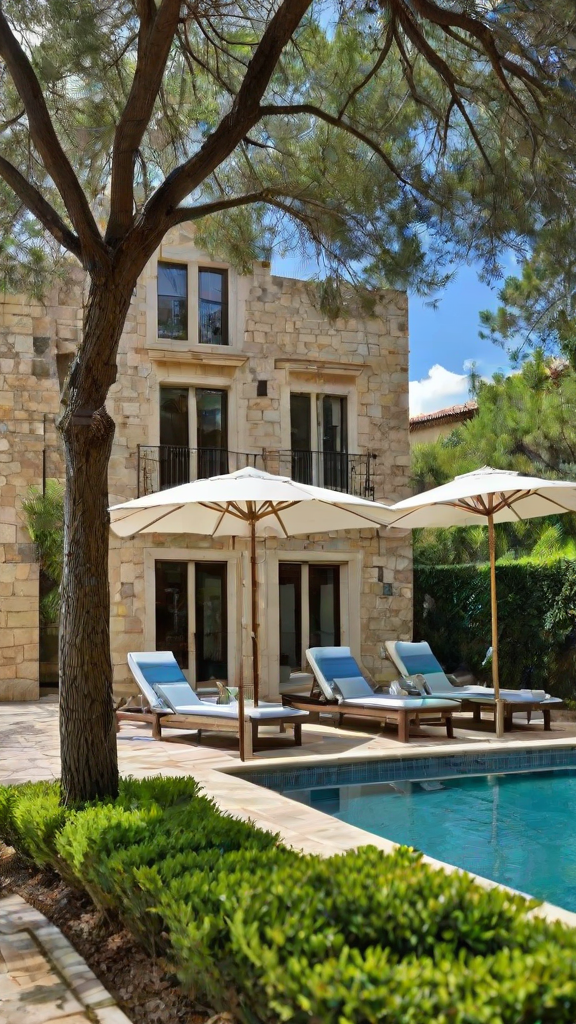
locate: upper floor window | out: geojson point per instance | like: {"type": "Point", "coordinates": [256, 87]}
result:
{"type": "Point", "coordinates": [212, 306]}
{"type": "Point", "coordinates": [319, 440]}
{"type": "Point", "coordinates": [172, 301]}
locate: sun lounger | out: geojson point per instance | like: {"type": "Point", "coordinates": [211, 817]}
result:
{"type": "Point", "coordinates": [170, 701]}
{"type": "Point", "coordinates": [413, 659]}
{"type": "Point", "coordinates": [341, 689]}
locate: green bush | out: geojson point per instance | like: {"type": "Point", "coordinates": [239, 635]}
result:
{"type": "Point", "coordinates": [273, 935]}
{"type": "Point", "coordinates": [536, 620]}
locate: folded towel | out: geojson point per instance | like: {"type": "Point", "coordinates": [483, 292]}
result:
{"type": "Point", "coordinates": [536, 694]}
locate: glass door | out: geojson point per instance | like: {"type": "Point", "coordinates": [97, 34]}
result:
{"type": "Point", "coordinates": [174, 437]}
{"type": "Point", "coordinates": [334, 442]}
{"type": "Point", "coordinates": [211, 621]}
{"type": "Point", "coordinates": [290, 598]}
{"type": "Point", "coordinates": [324, 605]}
{"type": "Point", "coordinates": [301, 438]}
{"type": "Point", "coordinates": [211, 431]}
{"type": "Point", "coordinates": [172, 609]}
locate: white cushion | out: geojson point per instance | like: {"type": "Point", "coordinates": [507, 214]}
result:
{"type": "Point", "coordinates": [353, 686]}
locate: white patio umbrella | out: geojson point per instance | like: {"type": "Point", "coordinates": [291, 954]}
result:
{"type": "Point", "coordinates": [247, 503]}
{"type": "Point", "coordinates": [492, 496]}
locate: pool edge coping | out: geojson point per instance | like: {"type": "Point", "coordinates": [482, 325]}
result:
{"type": "Point", "coordinates": [313, 831]}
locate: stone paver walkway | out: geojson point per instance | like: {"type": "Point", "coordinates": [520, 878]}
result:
{"type": "Point", "coordinates": [29, 746]}
{"type": "Point", "coordinates": [29, 750]}
{"type": "Point", "coordinates": [43, 980]}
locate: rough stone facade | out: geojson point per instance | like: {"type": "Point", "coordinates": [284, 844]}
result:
{"type": "Point", "coordinates": [278, 335]}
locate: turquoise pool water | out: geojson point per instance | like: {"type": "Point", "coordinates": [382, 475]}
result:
{"type": "Point", "coordinates": [519, 829]}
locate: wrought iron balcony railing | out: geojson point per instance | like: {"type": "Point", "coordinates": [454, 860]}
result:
{"type": "Point", "coordinates": [162, 466]}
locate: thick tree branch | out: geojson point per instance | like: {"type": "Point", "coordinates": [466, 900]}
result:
{"type": "Point", "coordinates": [264, 195]}
{"type": "Point", "coordinates": [189, 213]}
{"type": "Point", "coordinates": [154, 42]}
{"type": "Point", "coordinates": [48, 145]}
{"type": "Point", "coordinates": [450, 18]}
{"type": "Point", "coordinates": [270, 110]}
{"type": "Point", "coordinates": [40, 208]}
{"type": "Point", "coordinates": [444, 72]}
{"type": "Point", "coordinates": [236, 124]}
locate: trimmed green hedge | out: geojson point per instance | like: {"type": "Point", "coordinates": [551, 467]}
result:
{"type": "Point", "coordinates": [273, 935]}
{"type": "Point", "coordinates": [536, 620]}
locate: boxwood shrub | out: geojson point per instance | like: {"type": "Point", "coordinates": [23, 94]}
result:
{"type": "Point", "coordinates": [536, 620]}
{"type": "Point", "coordinates": [273, 935]}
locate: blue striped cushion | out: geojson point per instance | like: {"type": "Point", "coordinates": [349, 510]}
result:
{"type": "Point", "coordinates": [337, 666]}
{"type": "Point", "coordinates": [155, 672]}
{"type": "Point", "coordinates": [424, 662]}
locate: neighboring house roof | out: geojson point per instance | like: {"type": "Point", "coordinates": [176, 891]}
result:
{"type": "Point", "coordinates": [452, 414]}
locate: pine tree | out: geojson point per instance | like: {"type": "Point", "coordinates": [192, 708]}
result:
{"type": "Point", "coordinates": [526, 422]}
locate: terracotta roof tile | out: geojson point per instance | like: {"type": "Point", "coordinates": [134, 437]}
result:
{"type": "Point", "coordinates": [452, 414]}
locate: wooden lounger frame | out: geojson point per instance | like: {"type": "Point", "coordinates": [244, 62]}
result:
{"type": "Point", "coordinates": [510, 708]}
{"type": "Point", "coordinates": [401, 717]}
{"type": "Point", "coordinates": [208, 723]}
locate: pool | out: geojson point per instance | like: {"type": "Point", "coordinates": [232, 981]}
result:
{"type": "Point", "coordinates": [515, 826]}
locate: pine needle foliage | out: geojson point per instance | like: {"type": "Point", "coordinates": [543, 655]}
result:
{"type": "Point", "coordinates": [526, 422]}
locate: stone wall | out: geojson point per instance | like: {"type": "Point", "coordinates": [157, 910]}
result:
{"type": "Point", "coordinates": [278, 335]}
{"type": "Point", "coordinates": [32, 338]}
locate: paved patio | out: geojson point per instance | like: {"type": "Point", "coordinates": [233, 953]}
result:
{"type": "Point", "coordinates": [29, 747]}
{"type": "Point", "coordinates": [29, 750]}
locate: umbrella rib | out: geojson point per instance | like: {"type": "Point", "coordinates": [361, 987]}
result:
{"type": "Point", "coordinates": [552, 502]}
{"type": "Point", "coordinates": [271, 509]}
{"type": "Point", "coordinates": [224, 511]}
{"type": "Point", "coordinates": [228, 509]}
{"type": "Point", "coordinates": [276, 513]}
{"type": "Point", "coordinates": [173, 508]}
{"type": "Point", "coordinates": [367, 522]}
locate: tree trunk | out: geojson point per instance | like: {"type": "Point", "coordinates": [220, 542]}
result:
{"type": "Point", "coordinates": [87, 733]}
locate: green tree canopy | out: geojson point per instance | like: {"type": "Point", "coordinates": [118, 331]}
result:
{"type": "Point", "coordinates": [526, 422]}
{"type": "Point", "coordinates": [392, 137]}
{"type": "Point", "coordinates": [538, 306]}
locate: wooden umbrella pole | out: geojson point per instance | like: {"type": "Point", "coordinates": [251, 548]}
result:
{"type": "Point", "coordinates": [255, 624]}
{"type": "Point", "coordinates": [494, 610]}
{"type": "Point", "coordinates": [241, 715]}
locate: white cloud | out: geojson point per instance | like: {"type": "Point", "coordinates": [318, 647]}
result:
{"type": "Point", "coordinates": [440, 388]}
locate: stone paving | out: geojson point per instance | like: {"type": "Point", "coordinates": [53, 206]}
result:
{"type": "Point", "coordinates": [43, 980]}
{"type": "Point", "coordinates": [29, 750]}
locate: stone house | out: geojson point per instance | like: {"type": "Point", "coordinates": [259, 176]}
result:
{"type": "Point", "coordinates": [217, 371]}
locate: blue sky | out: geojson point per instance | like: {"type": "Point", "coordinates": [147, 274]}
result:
{"type": "Point", "coordinates": [443, 341]}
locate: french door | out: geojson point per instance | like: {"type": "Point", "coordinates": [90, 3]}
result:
{"type": "Point", "coordinates": [211, 432]}
{"type": "Point", "coordinates": [333, 430]}
{"type": "Point", "coordinates": [319, 440]}
{"type": "Point", "coordinates": [174, 437]}
{"type": "Point", "coordinates": [171, 579]}
{"type": "Point", "coordinates": [193, 434]}
{"type": "Point", "coordinates": [309, 600]}
{"type": "Point", "coordinates": [192, 615]}
{"type": "Point", "coordinates": [211, 621]}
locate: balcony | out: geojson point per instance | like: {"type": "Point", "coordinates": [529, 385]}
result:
{"type": "Point", "coordinates": [162, 466]}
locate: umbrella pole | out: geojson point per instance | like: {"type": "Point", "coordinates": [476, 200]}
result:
{"type": "Point", "coordinates": [241, 715]}
{"type": "Point", "coordinates": [255, 624]}
{"type": "Point", "coordinates": [494, 608]}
